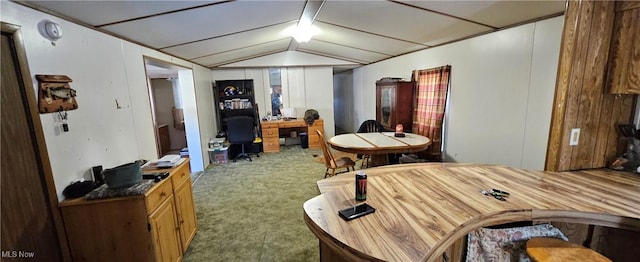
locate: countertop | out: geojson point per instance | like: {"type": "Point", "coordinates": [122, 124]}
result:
{"type": "Point", "coordinates": [423, 208]}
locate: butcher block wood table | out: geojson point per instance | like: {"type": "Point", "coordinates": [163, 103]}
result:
{"type": "Point", "coordinates": [422, 209]}
{"type": "Point", "coordinates": [378, 145]}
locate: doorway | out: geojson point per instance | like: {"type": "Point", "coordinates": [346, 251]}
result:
{"type": "Point", "coordinates": [170, 92]}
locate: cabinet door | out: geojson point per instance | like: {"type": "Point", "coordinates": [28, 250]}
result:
{"type": "Point", "coordinates": [386, 99]}
{"type": "Point", "coordinates": [164, 232]}
{"type": "Point", "coordinates": [624, 65]}
{"type": "Point", "coordinates": [187, 222]}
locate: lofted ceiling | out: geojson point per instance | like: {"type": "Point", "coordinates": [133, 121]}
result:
{"type": "Point", "coordinates": [352, 33]}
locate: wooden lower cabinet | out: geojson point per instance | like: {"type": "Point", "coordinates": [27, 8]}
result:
{"type": "Point", "coordinates": [186, 214]}
{"type": "Point", "coordinates": [156, 226]}
{"type": "Point", "coordinates": [163, 231]}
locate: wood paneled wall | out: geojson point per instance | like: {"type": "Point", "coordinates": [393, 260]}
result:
{"type": "Point", "coordinates": [582, 99]}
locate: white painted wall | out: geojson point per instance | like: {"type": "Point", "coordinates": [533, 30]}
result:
{"type": "Point", "coordinates": [206, 118]}
{"type": "Point", "coordinates": [113, 123]}
{"type": "Point", "coordinates": [502, 87]}
{"type": "Point", "coordinates": [319, 95]}
{"type": "Point", "coordinates": [302, 88]}
{"type": "Point", "coordinates": [191, 125]}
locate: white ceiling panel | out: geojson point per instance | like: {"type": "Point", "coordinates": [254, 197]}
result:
{"type": "Point", "coordinates": [196, 24]}
{"type": "Point", "coordinates": [365, 41]}
{"type": "Point", "coordinates": [230, 42]}
{"type": "Point", "coordinates": [341, 52]}
{"type": "Point", "coordinates": [292, 58]}
{"type": "Point", "coordinates": [398, 21]}
{"type": "Point", "coordinates": [219, 33]}
{"type": "Point", "coordinates": [244, 53]}
{"type": "Point", "coordinates": [103, 12]}
{"type": "Point", "coordinates": [495, 13]}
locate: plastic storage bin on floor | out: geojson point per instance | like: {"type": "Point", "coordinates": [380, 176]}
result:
{"type": "Point", "coordinates": [304, 140]}
{"type": "Point", "coordinates": [219, 155]}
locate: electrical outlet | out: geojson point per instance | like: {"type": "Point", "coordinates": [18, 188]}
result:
{"type": "Point", "coordinates": [575, 136]}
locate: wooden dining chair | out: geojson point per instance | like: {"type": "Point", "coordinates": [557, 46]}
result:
{"type": "Point", "coordinates": [330, 162]}
{"type": "Point", "coordinates": [543, 249]}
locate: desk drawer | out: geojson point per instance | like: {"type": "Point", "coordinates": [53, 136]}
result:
{"type": "Point", "coordinates": [293, 124]}
{"type": "Point", "coordinates": [271, 144]}
{"type": "Point", "coordinates": [266, 125]}
{"type": "Point", "coordinates": [314, 140]}
{"type": "Point", "coordinates": [180, 175]}
{"type": "Point", "coordinates": [317, 125]}
{"type": "Point", "coordinates": [158, 195]}
{"type": "Point", "coordinates": [269, 132]}
{"type": "Point", "coordinates": [312, 129]}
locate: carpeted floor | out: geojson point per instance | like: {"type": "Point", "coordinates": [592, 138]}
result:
{"type": "Point", "coordinates": [252, 211]}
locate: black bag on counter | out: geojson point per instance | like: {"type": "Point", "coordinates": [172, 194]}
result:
{"type": "Point", "coordinates": [78, 189]}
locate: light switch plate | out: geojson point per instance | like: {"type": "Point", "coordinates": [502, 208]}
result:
{"type": "Point", "coordinates": [575, 137]}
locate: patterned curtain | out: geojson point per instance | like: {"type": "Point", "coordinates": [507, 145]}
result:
{"type": "Point", "coordinates": [432, 86]}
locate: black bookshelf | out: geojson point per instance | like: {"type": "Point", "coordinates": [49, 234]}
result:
{"type": "Point", "coordinates": [234, 98]}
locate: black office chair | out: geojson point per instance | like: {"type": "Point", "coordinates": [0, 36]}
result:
{"type": "Point", "coordinates": [240, 131]}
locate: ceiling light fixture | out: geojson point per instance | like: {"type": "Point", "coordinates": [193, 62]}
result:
{"type": "Point", "coordinates": [303, 31]}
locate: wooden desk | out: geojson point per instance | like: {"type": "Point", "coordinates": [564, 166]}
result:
{"type": "Point", "coordinates": [378, 145]}
{"type": "Point", "coordinates": [272, 130]}
{"type": "Point", "coordinates": [422, 209]}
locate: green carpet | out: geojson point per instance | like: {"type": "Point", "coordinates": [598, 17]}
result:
{"type": "Point", "coordinates": [252, 211]}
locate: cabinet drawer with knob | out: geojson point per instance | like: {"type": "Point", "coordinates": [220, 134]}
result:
{"type": "Point", "coordinates": [158, 195]}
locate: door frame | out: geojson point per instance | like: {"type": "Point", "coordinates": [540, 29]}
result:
{"type": "Point", "coordinates": [162, 64]}
{"type": "Point", "coordinates": [38, 136]}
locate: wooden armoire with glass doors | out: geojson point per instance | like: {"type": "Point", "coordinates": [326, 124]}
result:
{"type": "Point", "coordinates": [394, 103]}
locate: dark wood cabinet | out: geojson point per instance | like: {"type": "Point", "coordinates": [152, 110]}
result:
{"type": "Point", "coordinates": [394, 103]}
{"type": "Point", "coordinates": [624, 61]}
{"type": "Point", "coordinates": [165, 139]}
{"type": "Point", "coordinates": [234, 98]}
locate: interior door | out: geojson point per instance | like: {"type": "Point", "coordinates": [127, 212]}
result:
{"type": "Point", "coordinates": [28, 227]}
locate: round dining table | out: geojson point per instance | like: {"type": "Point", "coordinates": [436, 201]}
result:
{"type": "Point", "coordinates": [378, 145]}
